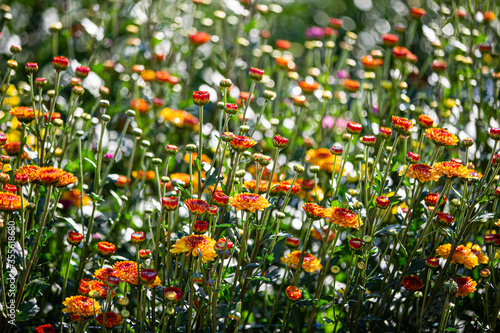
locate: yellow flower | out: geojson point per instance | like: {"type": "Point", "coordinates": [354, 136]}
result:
{"type": "Point", "coordinates": [463, 255]}
{"type": "Point", "coordinates": [249, 202]}
{"type": "Point", "coordinates": [196, 245]}
{"type": "Point", "coordinates": [82, 306]}
{"type": "Point", "coordinates": [451, 169]}
{"type": "Point", "coordinates": [126, 271]}
{"type": "Point", "coordinates": [441, 136]}
{"type": "Point", "coordinates": [310, 263]}
{"type": "Point", "coordinates": [466, 285]}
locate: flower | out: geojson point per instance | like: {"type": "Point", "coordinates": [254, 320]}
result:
{"type": "Point", "coordinates": [283, 44]}
{"type": "Point", "coordinates": [441, 137]}
{"type": "Point", "coordinates": [283, 188]}
{"type": "Point", "coordinates": [470, 257]}
{"type": "Point", "coordinates": [90, 288]}
{"type": "Point", "coordinates": [173, 294]}
{"type": "Point", "coordinates": [81, 306]}
{"type": "Point", "coordinates": [432, 262]}
{"type": "Point", "coordinates": [75, 238]}
{"type": "Point", "coordinates": [23, 113]}
{"type": "Point", "coordinates": [196, 245]}
{"type": "Point", "coordinates": [60, 63]}
{"type": "Point", "coordinates": [451, 170]}
{"type": "Point", "coordinates": [242, 143]}
{"type": "Point", "coordinates": [494, 133]}
{"type": "Point", "coordinates": [201, 98]}
{"type": "Point", "coordinates": [385, 132]}
{"type": "Point", "coordinates": [355, 243]}
{"type": "Point", "coordinates": [466, 285]}
{"type": "Point", "coordinates": [400, 52]}
{"type": "Point", "coordinates": [351, 85]}
{"type": "Point", "coordinates": [103, 273]}
{"type": "Point", "coordinates": [47, 328]}
{"type": "Point", "coordinates": [382, 202]}
{"type": "Point", "coordinates": [220, 199]}
{"type": "Point", "coordinates": [170, 203]}
{"type": "Point", "coordinates": [256, 73]}
{"type": "Point", "coordinates": [31, 67]}
{"type": "Point", "coordinates": [294, 241]}
{"type": "Point", "coordinates": [308, 87]}
{"type": "Point", "coordinates": [344, 218]}
{"type": "Point", "coordinates": [314, 211]}
{"type": "Point", "coordinates": [148, 275]}
{"type": "Point", "coordinates": [390, 39]}
{"type": "Point", "coordinates": [401, 124]}
{"type": "Point", "coordinates": [439, 65]}
{"type": "Point", "coordinates": [412, 283]}
{"type": "Point", "coordinates": [199, 38]}
{"type": "Point", "coordinates": [371, 63]}
{"type": "Point", "coordinates": [444, 218]}
{"type": "Point", "coordinates": [137, 237]}
{"type": "Point", "coordinates": [293, 293]}
{"type": "Point", "coordinates": [179, 118]}
{"type": "Point", "coordinates": [422, 172]}
{"type": "Point", "coordinates": [425, 121]}
{"type": "Point", "coordinates": [200, 226]}
{"type": "Point", "coordinates": [310, 263]}
{"type": "Point", "coordinates": [66, 179]}
{"type": "Point", "coordinates": [249, 202]}
{"type": "Point", "coordinates": [105, 249]}
{"type": "Point", "coordinates": [196, 206]}
{"type": "Point", "coordinates": [82, 71]}
{"type": "Point", "coordinates": [417, 12]}
{"type": "Point", "coordinates": [112, 319]}
{"type": "Point", "coordinates": [280, 142]}
{"type": "Point", "coordinates": [10, 202]}
{"type": "Point", "coordinates": [252, 185]}
{"type": "Point", "coordinates": [320, 234]}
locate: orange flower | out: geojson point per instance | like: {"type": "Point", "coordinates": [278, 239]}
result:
{"type": "Point", "coordinates": [103, 273]}
{"type": "Point", "coordinates": [283, 188]}
{"type": "Point", "coordinates": [293, 293]}
{"type": "Point", "coordinates": [251, 185]}
{"type": "Point", "coordinates": [308, 87]}
{"type": "Point", "coordinates": [412, 283]}
{"type": "Point", "coordinates": [126, 271]}
{"type": "Point", "coordinates": [179, 118]}
{"type": "Point", "coordinates": [422, 172]}
{"type": "Point", "coordinates": [466, 286]}
{"type": "Point", "coordinates": [463, 255]}
{"type": "Point", "coordinates": [401, 124]}
{"type": "Point", "coordinates": [351, 85]}
{"type": "Point", "coordinates": [317, 156]}
{"type": "Point", "coordinates": [242, 143]}
{"type": "Point", "coordinates": [10, 202]}
{"type": "Point", "coordinates": [204, 158]}
{"type": "Point", "coordinates": [344, 218]}
{"type": "Point", "coordinates": [105, 249]}
{"type": "Point", "coordinates": [315, 233]}
{"type": "Point", "coordinates": [81, 306]}
{"type": "Point", "coordinates": [451, 170]}
{"type": "Point", "coordinates": [66, 179]}
{"type": "Point", "coordinates": [30, 170]}
{"type": "Point", "coordinates": [314, 211]}
{"type": "Point", "coordinates": [49, 175]}
{"type": "Point", "coordinates": [199, 38]}
{"type": "Point", "coordinates": [139, 105]}
{"type": "Point", "coordinates": [94, 287]}
{"type": "Point", "coordinates": [196, 245]}
{"type": "Point", "coordinates": [196, 206]}
{"type": "Point", "coordinates": [249, 202]}
{"type": "Point", "coordinates": [148, 75]}
{"type": "Point", "coordinates": [441, 137]}
{"type": "Point", "coordinates": [23, 113]}
{"type": "Point", "coordinates": [112, 319]}
{"type": "Point", "coordinates": [310, 263]}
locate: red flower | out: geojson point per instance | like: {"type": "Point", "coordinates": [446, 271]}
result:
{"type": "Point", "coordinates": [368, 140]}
{"type": "Point", "coordinates": [200, 226]}
{"type": "Point", "coordinates": [412, 157]}
{"type": "Point", "coordinates": [199, 38]}
{"type": "Point", "coordinates": [351, 85]}
{"type": "Point", "coordinates": [400, 51]}
{"type": "Point", "coordinates": [196, 206]}
{"type": "Point", "coordinates": [293, 293]}
{"type": "Point", "coordinates": [444, 218]}
{"type": "Point", "coordinates": [201, 98]}
{"type": "Point", "coordinates": [173, 294]}
{"type": "Point", "coordinates": [221, 244]}
{"type": "Point", "coordinates": [170, 203]}
{"type": "Point", "coordinates": [354, 128]}
{"type": "Point", "coordinates": [256, 73]}
{"type": "Point", "coordinates": [439, 65]}
{"type": "Point", "coordinates": [417, 12]}
{"type": "Point", "coordinates": [432, 262]}
{"type": "Point", "coordinates": [283, 44]}
{"type": "Point", "coordinates": [292, 242]}
{"type": "Point", "coordinates": [148, 276]}
{"type": "Point", "coordinates": [31, 67]}
{"type": "Point", "coordinates": [82, 71]}
{"type": "Point", "coordinates": [60, 63]}
{"type": "Point", "coordinates": [425, 121]}
{"type": "Point", "coordinates": [138, 237]}
{"type": "Point", "coordinates": [382, 202]}
{"type": "Point", "coordinates": [75, 238]}
{"type": "Point", "coordinates": [105, 249]}
{"type": "Point", "coordinates": [400, 124]}
{"type": "Point", "coordinates": [495, 133]}
{"type": "Point", "coordinates": [355, 243]}
{"type": "Point", "coordinates": [412, 283]}
{"type": "Point", "coordinates": [220, 199]}
{"type": "Point", "coordinates": [45, 329]}
{"type": "Point", "coordinates": [336, 23]}
{"type": "Point", "coordinates": [390, 39]}
{"type": "Point", "coordinates": [280, 142]}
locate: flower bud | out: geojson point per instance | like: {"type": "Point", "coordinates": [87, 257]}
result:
{"type": "Point", "coordinates": [227, 136]}
{"type": "Point", "coordinates": [337, 149]}
{"type": "Point", "coordinates": [225, 83]}
{"type": "Point", "coordinates": [200, 227]}
{"type": "Point", "coordinates": [31, 67]}
{"type": "Point", "coordinates": [412, 158]}
{"type": "Point", "coordinates": [485, 273]}
{"type": "Point", "coordinates": [280, 142]}
{"type": "Point", "coordinates": [256, 74]}
{"type": "Point", "coordinates": [269, 95]}
{"type": "Point", "coordinates": [12, 64]}
{"type": "Point", "coordinates": [201, 98]}
{"type": "Point", "coordinates": [368, 140]}
{"type": "Point", "coordinates": [355, 243]}
{"type": "Point", "coordinates": [467, 142]}
{"type": "Point", "coordinates": [382, 202]}
{"type": "Point", "coordinates": [82, 71]}
{"type": "Point", "coordinates": [495, 133]}
{"type": "Point", "coordinates": [137, 237]}
{"type": "Point", "coordinates": [432, 262]}
{"type": "Point", "coordinates": [60, 63]}
{"type": "Point", "coordinates": [232, 108]}
{"type": "Point", "coordinates": [352, 192]}
{"type": "Point", "coordinates": [191, 148]}
{"type": "Point", "coordinates": [171, 149]}
{"type": "Point", "coordinates": [75, 238]}
{"type": "Point", "coordinates": [298, 168]}
{"type": "Point", "coordinates": [385, 132]}
{"type": "Point", "coordinates": [148, 275]}
{"type": "Point", "coordinates": [354, 128]}
{"type": "Point", "coordinates": [292, 242]}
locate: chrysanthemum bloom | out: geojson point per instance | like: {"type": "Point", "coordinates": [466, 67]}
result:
{"type": "Point", "coordinates": [355, 243]}
{"type": "Point", "coordinates": [103, 273]}
{"type": "Point", "coordinates": [173, 294]}
{"type": "Point", "coordinates": [422, 172]}
{"type": "Point", "coordinates": [385, 132]}
{"type": "Point", "coordinates": [432, 199]}
{"type": "Point", "coordinates": [400, 52]}
{"type": "Point", "coordinates": [241, 143]}
{"type": "Point", "coordinates": [293, 241]}
{"type": "Point", "coordinates": [370, 63]}
{"type": "Point", "coordinates": [82, 71]}
{"type": "Point", "coordinates": [94, 288]}
{"type": "Point", "coordinates": [23, 113]}
{"type": "Point", "coordinates": [432, 262]}
{"type": "Point", "coordinates": [283, 188]}
{"type": "Point", "coordinates": [221, 244]}
{"type": "Point", "coordinates": [466, 285]}
{"type": "Point", "coordinates": [249, 202]}
{"type": "Point", "coordinates": [47, 328]}
{"type": "Point", "coordinates": [49, 175]}
{"type": "Point", "coordinates": [344, 218]}
{"type": "Point", "coordinates": [280, 142]}
{"type": "Point", "coordinates": [232, 109]}
{"type": "Point", "coordinates": [256, 74]}
{"type": "Point", "coordinates": [425, 121]}
{"type": "Point", "coordinates": [11, 202]}
{"type": "Point", "coordinates": [314, 211]}
{"type": "Point", "coordinates": [412, 283]}
{"type": "Point", "coordinates": [310, 263]}
{"type": "Point", "coordinates": [441, 137]}
{"type": "Point", "coordinates": [148, 276]}
{"type": "Point", "coordinates": [252, 185]}
{"type": "Point", "coordinates": [417, 12]}
{"type": "Point", "coordinates": [75, 238]}
{"type": "Point", "coordinates": [12, 147]}
{"type": "Point", "coordinates": [121, 181]}
{"type": "Point", "coordinates": [179, 118]}
{"type": "Point", "coordinates": [137, 237]}
{"type": "Point", "coordinates": [31, 67]}
{"type": "Point", "coordinates": [67, 178]}
{"type": "Point", "coordinates": [463, 255]}
{"type": "Point", "coordinates": [390, 39]}
{"type": "Point", "coordinates": [351, 86]}
{"type": "Point", "coordinates": [199, 38]}
{"type": "Point", "coordinates": [201, 98]}
{"type": "Point", "coordinates": [444, 218]}
{"type": "Point", "coordinates": [336, 23]}
{"type": "Point", "coordinates": [308, 87]}
{"type": "Point", "coordinates": [293, 293]}
{"type": "Point", "coordinates": [81, 306]}
{"type": "Point", "coordinates": [60, 63]}
{"type": "Point", "coordinates": [196, 245]}
{"type": "Point", "coordinates": [10, 188]}
{"type": "Point", "coordinates": [451, 170]}
{"type": "Point", "coordinates": [196, 206]}
{"type": "Point", "coordinates": [317, 156]}
{"type": "Point", "coordinates": [162, 76]}
{"type": "Point", "coordinates": [368, 140]}
{"type": "Point", "coordinates": [220, 199]}
{"type": "Point", "coordinates": [401, 125]}
{"type": "Point", "coordinates": [495, 133]}
{"type": "Point", "coordinates": [200, 226]}
{"type": "Point", "coordinates": [170, 203]}
{"type": "Point", "coordinates": [382, 202]}
{"type": "Point", "coordinates": [105, 249]}
{"type": "Point", "coordinates": [112, 319]}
